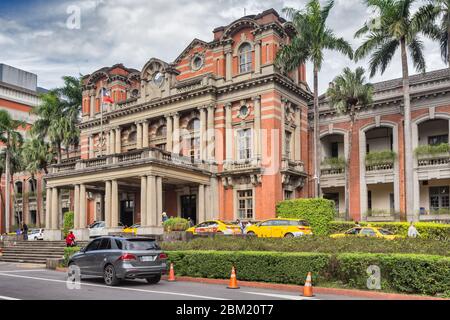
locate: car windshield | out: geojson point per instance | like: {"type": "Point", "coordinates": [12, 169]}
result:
{"type": "Point", "coordinates": [385, 232]}
{"type": "Point", "coordinates": [141, 244]}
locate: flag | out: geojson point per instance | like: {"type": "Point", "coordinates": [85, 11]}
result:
{"type": "Point", "coordinates": [106, 96]}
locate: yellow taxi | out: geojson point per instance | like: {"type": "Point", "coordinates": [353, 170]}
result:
{"type": "Point", "coordinates": [132, 229]}
{"type": "Point", "coordinates": [215, 226]}
{"type": "Point", "coordinates": [374, 232]}
{"type": "Point", "coordinates": [279, 228]}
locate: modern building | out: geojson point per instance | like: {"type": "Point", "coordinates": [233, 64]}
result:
{"type": "Point", "coordinates": [18, 95]}
{"type": "Point", "coordinates": [377, 188]}
{"type": "Point", "coordinates": [217, 133]}
{"type": "Point", "coordinates": [221, 133]}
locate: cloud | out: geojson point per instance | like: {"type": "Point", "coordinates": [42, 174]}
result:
{"type": "Point", "coordinates": [35, 36]}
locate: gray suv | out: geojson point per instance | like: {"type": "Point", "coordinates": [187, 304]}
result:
{"type": "Point", "coordinates": [117, 258]}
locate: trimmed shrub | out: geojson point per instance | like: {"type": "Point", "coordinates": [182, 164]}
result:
{"type": "Point", "coordinates": [423, 274]}
{"type": "Point", "coordinates": [313, 244]}
{"type": "Point", "coordinates": [252, 266]}
{"type": "Point", "coordinates": [427, 230]}
{"type": "Point", "coordinates": [318, 212]}
{"type": "Point", "coordinates": [68, 252]}
{"type": "Point", "coordinates": [432, 150]}
{"type": "Point", "coordinates": [410, 273]}
{"type": "Point", "coordinates": [176, 224]}
{"type": "Point", "coordinates": [334, 163]}
{"type": "Point", "coordinates": [380, 157]}
{"type": "Point", "coordinates": [68, 223]}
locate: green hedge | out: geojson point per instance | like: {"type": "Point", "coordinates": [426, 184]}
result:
{"type": "Point", "coordinates": [427, 230]}
{"type": "Point", "coordinates": [252, 266]}
{"type": "Point", "coordinates": [323, 244]}
{"type": "Point", "coordinates": [176, 224]}
{"type": "Point", "coordinates": [423, 274]}
{"type": "Point", "coordinates": [68, 252]}
{"type": "Point", "coordinates": [318, 212]}
{"type": "Point", "coordinates": [68, 223]}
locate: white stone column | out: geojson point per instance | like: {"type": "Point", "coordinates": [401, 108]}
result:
{"type": "Point", "coordinates": [83, 212]}
{"type": "Point", "coordinates": [257, 126]}
{"type": "Point", "coordinates": [284, 103]}
{"type": "Point", "coordinates": [138, 135]}
{"type": "Point", "coordinates": [114, 203]}
{"type": "Point", "coordinates": [297, 136]}
{"type": "Point", "coordinates": [228, 132]}
{"type": "Point", "coordinates": [169, 138]}
{"type": "Point", "coordinates": [118, 135]}
{"type": "Point", "coordinates": [258, 56]}
{"type": "Point", "coordinates": [108, 143]}
{"type": "Point", "coordinates": [48, 209]}
{"type": "Point", "coordinates": [211, 134]}
{"type": "Point", "coordinates": [108, 202]}
{"type": "Point", "coordinates": [91, 146]}
{"type": "Point", "coordinates": [76, 207]}
{"type": "Point", "coordinates": [151, 201]}
{"type": "Point", "coordinates": [202, 133]}
{"type": "Point", "coordinates": [55, 209]}
{"type": "Point", "coordinates": [176, 133]}
{"type": "Point", "coordinates": [112, 140]}
{"type": "Point", "coordinates": [228, 65]}
{"type": "Point", "coordinates": [201, 204]}
{"type": "Point", "coordinates": [208, 203]}
{"type": "Point", "coordinates": [145, 134]}
{"type": "Point", "coordinates": [143, 200]}
{"type": "Point", "coordinates": [159, 201]}
{"type": "Point", "coordinates": [92, 106]}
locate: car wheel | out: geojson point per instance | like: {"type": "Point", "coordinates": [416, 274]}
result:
{"type": "Point", "coordinates": [288, 235]}
{"type": "Point", "coordinates": [154, 279]}
{"type": "Point", "coordinates": [251, 234]}
{"type": "Point", "coordinates": [109, 275]}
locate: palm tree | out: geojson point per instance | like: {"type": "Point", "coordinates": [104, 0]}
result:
{"type": "Point", "coordinates": [437, 11]}
{"type": "Point", "coordinates": [312, 38]}
{"type": "Point", "coordinates": [12, 140]}
{"type": "Point", "coordinates": [348, 91]}
{"type": "Point", "coordinates": [37, 155]}
{"type": "Point", "coordinates": [397, 28]}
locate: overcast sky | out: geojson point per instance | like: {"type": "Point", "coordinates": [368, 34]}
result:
{"type": "Point", "coordinates": [34, 34]}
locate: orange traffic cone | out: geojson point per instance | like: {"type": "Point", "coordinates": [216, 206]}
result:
{"type": "Point", "coordinates": [233, 280]}
{"type": "Point", "coordinates": [171, 273]}
{"type": "Point", "coordinates": [307, 288]}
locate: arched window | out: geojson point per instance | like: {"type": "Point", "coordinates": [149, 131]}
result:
{"type": "Point", "coordinates": [19, 188]}
{"type": "Point", "coordinates": [245, 58]}
{"type": "Point", "coordinates": [32, 184]}
{"type": "Point", "coordinates": [194, 139]}
{"type": "Point", "coordinates": [161, 132]}
{"type": "Point", "coordinates": [161, 137]}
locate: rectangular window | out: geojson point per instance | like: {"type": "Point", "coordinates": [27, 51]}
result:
{"type": "Point", "coordinates": [287, 142]}
{"type": "Point", "coordinates": [245, 204]}
{"type": "Point", "coordinates": [439, 198]}
{"type": "Point", "coordinates": [334, 150]}
{"type": "Point", "coordinates": [244, 144]}
{"type": "Point", "coordinates": [392, 202]}
{"type": "Point", "coordinates": [369, 200]}
{"type": "Point", "coordinates": [195, 148]}
{"type": "Point", "coordinates": [436, 140]}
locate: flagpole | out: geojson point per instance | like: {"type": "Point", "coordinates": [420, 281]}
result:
{"type": "Point", "coordinates": [101, 124]}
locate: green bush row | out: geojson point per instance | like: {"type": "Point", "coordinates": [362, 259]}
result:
{"type": "Point", "coordinates": [423, 274]}
{"type": "Point", "coordinates": [68, 252]}
{"type": "Point", "coordinates": [318, 212]}
{"type": "Point", "coordinates": [427, 230]}
{"type": "Point", "coordinates": [176, 224]}
{"type": "Point", "coordinates": [323, 244]}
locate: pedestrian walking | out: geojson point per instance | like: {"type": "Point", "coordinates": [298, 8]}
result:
{"type": "Point", "coordinates": [412, 231]}
{"type": "Point", "coordinates": [241, 225]}
{"type": "Point", "coordinates": [191, 224]}
{"type": "Point", "coordinates": [164, 217]}
{"type": "Point", "coordinates": [70, 240]}
{"type": "Point", "coordinates": [25, 231]}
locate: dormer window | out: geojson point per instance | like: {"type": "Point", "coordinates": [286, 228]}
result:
{"type": "Point", "coordinates": [245, 58]}
{"type": "Point", "coordinates": [197, 62]}
{"type": "Point", "coordinates": [158, 79]}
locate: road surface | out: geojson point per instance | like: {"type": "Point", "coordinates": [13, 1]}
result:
{"type": "Point", "coordinates": [24, 282]}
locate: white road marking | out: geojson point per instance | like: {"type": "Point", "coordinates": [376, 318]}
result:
{"type": "Point", "coordinates": [282, 296]}
{"type": "Point", "coordinates": [115, 288]}
{"type": "Point", "coordinates": [7, 298]}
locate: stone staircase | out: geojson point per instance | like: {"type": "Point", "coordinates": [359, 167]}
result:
{"type": "Point", "coordinates": [33, 251]}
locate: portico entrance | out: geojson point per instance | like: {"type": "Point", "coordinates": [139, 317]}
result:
{"type": "Point", "coordinates": [189, 207]}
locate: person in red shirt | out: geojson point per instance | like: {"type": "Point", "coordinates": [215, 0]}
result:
{"type": "Point", "coordinates": [70, 239]}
